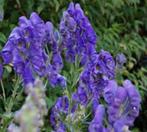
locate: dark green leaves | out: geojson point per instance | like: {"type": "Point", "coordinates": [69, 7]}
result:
{"type": "Point", "coordinates": [1, 10]}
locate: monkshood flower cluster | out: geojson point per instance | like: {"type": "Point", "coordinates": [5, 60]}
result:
{"type": "Point", "coordinates": [96, 82]}
{"type": "Point", "coordinates": [25, 49]}
{"type": "Point", "coordinates": [117, 115]}
{"type": "Point", "coordinates": [63, 111]}
{"type": "Point", "coordinates": [30, 117]}
{"type": "Point", "coordinates": [95, 77]}
{"type": "Point", "coordinates": [78, 36]}
{"type": "Point", "coordinates": [122, 108]}
{"type": "Point", "coordinates": [61, 106]}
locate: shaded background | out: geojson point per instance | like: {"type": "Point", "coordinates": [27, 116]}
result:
{"type": "Point", "coordinates": [121, 26]}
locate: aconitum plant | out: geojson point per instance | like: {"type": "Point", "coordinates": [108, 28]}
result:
{"type": "Point", "coordinates": [25, 49]}
{"type": "Point", "coordinates": [78, 36]}
{"type": "Point", "coordinates": [91, 99]}
{"type": "Point", "coordinates": [122, 107]}
{"type": "Point", "coordinates": [114, 107]}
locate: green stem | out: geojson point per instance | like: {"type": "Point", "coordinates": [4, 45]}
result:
{"type": "Point", "coordinates": [46, 82]}
{"type": "Point", "coordinates": [12, 100]}
{"type": "Point", "coordinates": [2, 85]}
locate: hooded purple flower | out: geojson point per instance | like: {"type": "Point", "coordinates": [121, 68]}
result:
{"type": "Point", "coordinates": [56, 79]}
{"type": "Point", "coordinates": [53, 40]}
{"type": "Point", "coordinates": [96, 75]}
{"type": "Point", "coordinates": [122, 106]}
{"type": "Point", "coordinates": [125, 106]}
{"type": "Point", "coordinates": [96, 125]}
{"type": "Point", "coordinates": [7, 57]}
{"type": "Point", "coordinates": [61, 107]}
{"type": "Point", "coordinates": [110, 91]}
{"type": "Point", "coordinates": [80, 96]}
{"type": "Point", "coordinates": [27, 74]}
{"type": "Point", "coordinates": [78, 36]}
{"type": "Point", "coordinates": [62, 104]}
{"type": "Point", "coordinates": [104, 63]}
{"type": "Point", "coordinates": [120, 60]}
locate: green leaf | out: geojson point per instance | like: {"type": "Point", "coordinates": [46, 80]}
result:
{"type": "Point", "coordinates": [2, 37]}
{"type": "Point", "coordinates": [1, 10]}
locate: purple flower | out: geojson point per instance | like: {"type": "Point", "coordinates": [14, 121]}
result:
{"type": "Point", "coordinates": [96, 125]}
{"type": "Point", "coordinates": [7, 57]}
{"type": "Point", "coordinates": [7, 50]}
{"type": "Point", "coordinates": [125, 106]}
{"type": "Point", "coordinates": [105, 64]}
{"type": "Point", "coordinates": [54, 117]}
{"type": "Point", "coordinates": [134, 99]}
{"type": "Point", "coordinates": [53, 40]}
{"type": "Point", "coordinates": [57, 61]}
{"type": "Point", "coordinates": [61, 107]}
{"type": "Point", "coordinates": [80, 96]}
{"type": "Point", "coordinates": [119, 126]}
{"type": "Point", "coordinates": [97, 73]}
{"type": "Point", "coordinates": [18, 62]}
{"type": "Point", "coordinates": [74, 108]}
{"type": "Point", "coordinates": [78, 36]}
{"type": "Point", "coordinates": [27, 74]}
{"type": "Point", "coordinates": [62, 104]}
{"type": "Point", "coordinates": [25, 48]}
{"type": "Point", "coordinates": [110, 91]}
{"type": "Point", "coordinates": [56, 79]}
{"type": "Point", "coordinates": [120, 60]}
{"type": "Point", "coordinates": [35, 19]}
{"type": "Point", "coordinates": [95, 104]}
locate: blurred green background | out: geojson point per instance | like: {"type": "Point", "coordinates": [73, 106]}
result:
{"type": "Point", "coordinates": [121, 26]}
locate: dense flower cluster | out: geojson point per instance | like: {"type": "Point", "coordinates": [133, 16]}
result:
{"type": "Point", "coordinates": [123, 105]}
{"type": "Point", "coordinates": [30, 116]}
{"type": "Point", "coordinates": [53, 38]}
{"type": "Point", "coordinates": [92, 82]}
{"type": "Point", "coordinates": [95, 82]}
{"type": "Point", "coordinates": [64, 112]}
{"type": "Point", "coordinates": [78, 36]}
{"type": "Point", "coordinates": [95, 77]}
{"type": "Point", "coordinates": [26, 50]}
{"type": "Point", "coordinates": [61, 107]}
